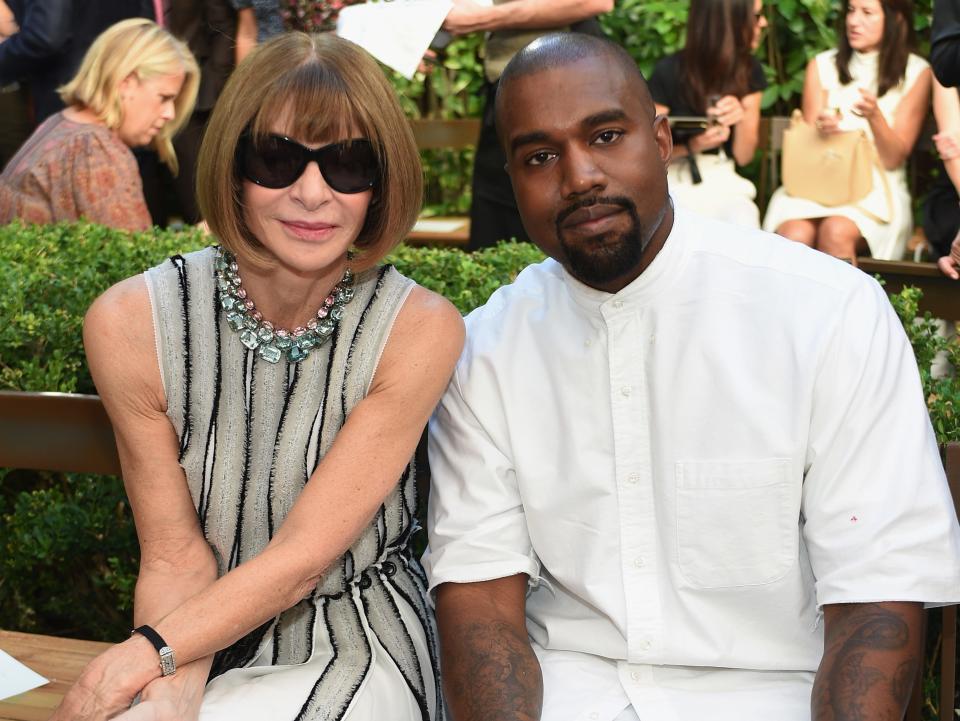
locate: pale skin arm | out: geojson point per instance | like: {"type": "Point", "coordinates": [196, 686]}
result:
{"type": "Point", "coordinates": [894, 143]}
{"type": "Point", "coordinates": [246, 34]}
{"type": "Point", "coordinates": [946, 109]}
{"type": "Point", "coordinates": [488, 668]}
{"type": "Point", "coordinates": [872, 653]}
{"type": "Point", "coordinates": [175, 561]}
{"type": "Point", "coordinates": [346, 490]}
{"type": "Point", "coordinates": [467, 16]}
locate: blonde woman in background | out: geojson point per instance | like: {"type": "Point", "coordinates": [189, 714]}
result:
{"type": "Point", "coordinates": [136, 87]}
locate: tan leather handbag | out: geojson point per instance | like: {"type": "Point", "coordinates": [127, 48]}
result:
{"type": "Point", "coordinates": [832, 170]}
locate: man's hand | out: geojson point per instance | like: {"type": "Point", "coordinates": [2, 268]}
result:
{"type": "Point", "coordinates": [870, 661]}
{"type": "Point", "coordinates": [488, 668]}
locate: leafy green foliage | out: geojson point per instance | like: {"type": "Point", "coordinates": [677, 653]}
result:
{"type": "Point", "coordinates": [929, 343]}
{"type": "Point", "coordinates": [451, 88]}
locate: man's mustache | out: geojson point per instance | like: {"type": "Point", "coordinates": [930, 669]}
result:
{"type": "Point", "coordinates": [619, 200]}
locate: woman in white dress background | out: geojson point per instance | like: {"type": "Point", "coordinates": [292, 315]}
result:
{"type": "Point", "coordinates": [871, 82]}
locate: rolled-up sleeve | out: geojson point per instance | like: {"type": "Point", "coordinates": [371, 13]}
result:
{"type": "Point", "coordinates": [476, 521]}
{"type": "Point", "coordinates": [879, 520]}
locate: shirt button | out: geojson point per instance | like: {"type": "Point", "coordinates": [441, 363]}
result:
{"type": "Point", "coordinates": [633, 478]}
{"type": "Point", "coordinates": [587, 342]}
{"type": "Point", "coordinates": [625, 391]}
{"type": "Point", "coordinates": [640, 563]}
{"type": "Point", "coordinates": [618, 304]}
{"type": "Point", "coordinates": [635, 675]}
{"type": "Point", "coordinates": [594, 715]}
{"type": "Point", "coordinates": [645, 645]}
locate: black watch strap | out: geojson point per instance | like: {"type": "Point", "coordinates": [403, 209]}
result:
{"type": "Point", "coordinates": [168, 665]}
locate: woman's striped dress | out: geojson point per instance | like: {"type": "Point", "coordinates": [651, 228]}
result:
{"type": "Point", "coordinates": [362, 646]}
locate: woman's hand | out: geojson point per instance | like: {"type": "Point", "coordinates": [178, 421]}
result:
{"type": "Point", "coordinates": [712, 137]}
{"type": "Point", "coordinates": [828, 121]}
{"type": "Point", "coordinates": [948, 144]}
{"type": "Point", "coordinates": [727, 111]}
{"type": "Point", "coordinates": [109, 683]}
{"type": "Point", "coordinates": [867, 106]}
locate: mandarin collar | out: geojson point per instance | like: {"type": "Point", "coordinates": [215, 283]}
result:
{"type": "Point", "coordinates": [654, 279]}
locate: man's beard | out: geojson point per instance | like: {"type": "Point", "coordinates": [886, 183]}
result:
{"type": "Point", "coordinates": [600, 260]}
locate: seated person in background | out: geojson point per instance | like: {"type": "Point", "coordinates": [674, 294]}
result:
{"type": "Point", "coordinates": [715, 75]}
{"type": "Point", "coordinates": [135, 87]}
{"type": "Point", "coordinates": [268, 396]}
{"type": "Point", "coordinates": [941, 212]}
{"type": "Point", "coordinates": [872, 82]}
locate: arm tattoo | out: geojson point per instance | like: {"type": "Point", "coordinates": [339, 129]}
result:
{"type": "Point", "coordinates": [490, 673]}
{"type": "Point", "coordinates": [868, 667]}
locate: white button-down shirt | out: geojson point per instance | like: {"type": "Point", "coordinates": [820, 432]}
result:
{"type": "Point", "coordinates": [687, 470]}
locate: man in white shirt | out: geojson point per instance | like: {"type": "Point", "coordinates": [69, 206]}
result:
{"type": "Point", "coordinates": [683, 470]}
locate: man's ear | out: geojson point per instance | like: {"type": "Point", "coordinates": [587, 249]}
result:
{"type": "Point", "coordinates": [663, 138]}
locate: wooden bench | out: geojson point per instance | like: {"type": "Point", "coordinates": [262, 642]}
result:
{"type": "Point", "coordinates": [52, 432]}
{"type": "Point", "coordinates": [434, 135]}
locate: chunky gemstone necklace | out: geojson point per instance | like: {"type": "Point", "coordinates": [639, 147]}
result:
{"type": "Point", "coordinates": [271, 342]}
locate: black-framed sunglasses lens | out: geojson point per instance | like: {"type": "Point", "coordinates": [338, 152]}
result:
{"type": "Point", "coordinates": [276, 162]}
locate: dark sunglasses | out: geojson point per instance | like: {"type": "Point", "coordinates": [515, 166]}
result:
{"type": "Point", "coordinates": [276, 162]}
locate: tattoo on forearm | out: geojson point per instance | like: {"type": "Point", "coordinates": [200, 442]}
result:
{"type": "Point", "coordinates": [491, 673]}
{"type": "Point", "coordinates": [869, 657]}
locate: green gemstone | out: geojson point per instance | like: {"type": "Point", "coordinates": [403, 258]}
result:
{"type": "Point", "coordinates": [227, 302]}
{"type": "Point", "coordinates": [265, 335]}
{"type": "Point", "coordinates": [296, 354]}
{"type": "Point", "coordinates": [336, 314]}
{"type": "Point", "coordinates": [269, 352]}
{"type": "Point", "coordinates": [250, 323]}
{"type": "Point", "coordinates": [249, 339]}
{"type": "Point", "coordinates": [306, 341]}
{"type": "Point", "coordinates": [284, 342]}
{"type": "Point", "coordinates": [325, 327]}
{"type": "Point", "coordinates": [235, 319]}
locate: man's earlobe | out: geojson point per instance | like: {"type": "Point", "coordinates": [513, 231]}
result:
{"type": "Point", "coordinates": [663, 136]}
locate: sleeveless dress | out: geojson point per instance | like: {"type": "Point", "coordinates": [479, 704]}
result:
{"type": "Point", "coordinates": [887, 240]}
{"type": "Point", "coordinates": [363, 644]}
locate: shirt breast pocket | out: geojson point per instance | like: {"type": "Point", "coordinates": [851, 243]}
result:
{"type": "Point", "coordinates": [737, 522]}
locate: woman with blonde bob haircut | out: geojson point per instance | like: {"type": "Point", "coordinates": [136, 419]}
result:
{"type": "Point", "coordinates": [268, 395]}
{"type": "Point", "coordinates": [136, 87]}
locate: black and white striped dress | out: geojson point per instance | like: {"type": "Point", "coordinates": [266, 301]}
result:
{"type": "Point", "coordinates": [362, 646]}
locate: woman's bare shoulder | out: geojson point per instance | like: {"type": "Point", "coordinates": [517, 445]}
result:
{"type": "Point", "coordinates": [118, 336]}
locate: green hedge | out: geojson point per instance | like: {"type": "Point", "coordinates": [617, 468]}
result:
{"type": "Point", "coordinates": [68, 552]}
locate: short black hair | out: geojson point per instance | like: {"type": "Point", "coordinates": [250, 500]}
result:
{"type": "Point", "coordinates": [558, 49]}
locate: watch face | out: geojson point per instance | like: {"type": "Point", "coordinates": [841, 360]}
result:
{"type": "Point", "coordinates": [167, 665]}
